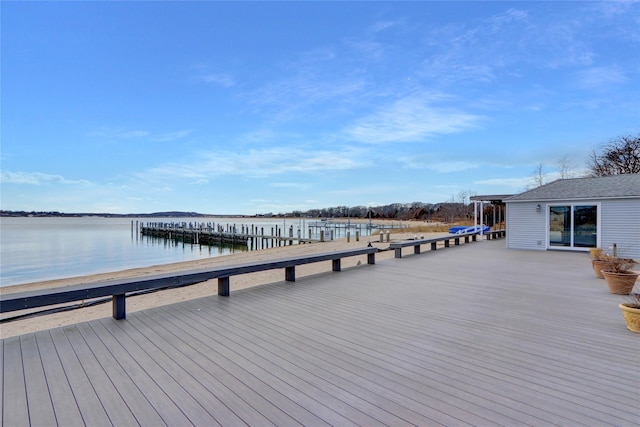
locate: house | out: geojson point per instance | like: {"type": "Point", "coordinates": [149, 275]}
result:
{"type": "Point", "coordinates": [577, 214]}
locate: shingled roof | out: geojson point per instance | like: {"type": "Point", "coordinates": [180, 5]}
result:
{"type": "Point", "coordinates": [604, 187]}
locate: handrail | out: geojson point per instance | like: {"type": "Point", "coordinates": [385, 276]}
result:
{"type": "Point", "coordinates": [118, 288]}
{"type": "Point", "coordinates": [397, 246]}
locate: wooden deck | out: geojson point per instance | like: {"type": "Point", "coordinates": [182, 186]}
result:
{"type": "Point", "coordinates": [473, 335]}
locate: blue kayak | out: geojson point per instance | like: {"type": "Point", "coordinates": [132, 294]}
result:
{"type": "Point", "coordinates": [463, 229]}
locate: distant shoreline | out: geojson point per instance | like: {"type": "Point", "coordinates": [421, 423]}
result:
{"type": "Point", "coordinates": [169, 214]}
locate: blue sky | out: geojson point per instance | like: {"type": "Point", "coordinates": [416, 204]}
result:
{"type": "Point", "coordinates": [257, 107]}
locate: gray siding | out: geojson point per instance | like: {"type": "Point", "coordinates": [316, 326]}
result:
{"type": "Point", "coordinates": [621, 225]}
{"type": "Point", "coordinates": [525, 226]}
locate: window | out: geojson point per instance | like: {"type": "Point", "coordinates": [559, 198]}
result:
{"type": "Point", "coordinates": [573, 226]}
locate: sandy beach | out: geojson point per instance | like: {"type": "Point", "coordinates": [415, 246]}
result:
{"type": "Point", "coordinates": [170, 296]}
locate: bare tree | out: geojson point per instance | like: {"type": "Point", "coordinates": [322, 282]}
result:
{"type": "Point", "coordinates": [564, 167]}
{"type": "Point", "coordinates": [538, 175]}
{"type": "Point", "coordinates": [620, 156]}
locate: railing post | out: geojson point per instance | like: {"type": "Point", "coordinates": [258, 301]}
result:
{"type": "Point", "coordinates": [119, 308]}
{"type": "Point", "coordinates": [290, 274]}
{"type": "Point", "coordinates": [371, 258]}
{"type": "Point", "coordinates": [223, 286]}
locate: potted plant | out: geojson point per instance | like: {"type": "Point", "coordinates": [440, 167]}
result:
{"type": "Point", "coordinates": [631, 313]}
{"type": "Point", "coordinates": [619, 276]}
{"type": "Point", "coordinates": [600, 262]}
{"type": "Point", "coordinates": [595, 252]}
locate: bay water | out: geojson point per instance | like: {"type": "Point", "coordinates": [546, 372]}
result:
{"type": "Point", "coordinates": [45, 248]}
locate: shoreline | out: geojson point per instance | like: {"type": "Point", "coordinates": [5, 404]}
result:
{"type": "Point", "coordinates": [115, 252]}
{"type": "Point", "coordinates": [200, 290]}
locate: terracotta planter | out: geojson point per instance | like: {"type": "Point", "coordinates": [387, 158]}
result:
{"type": "Point", "coordinates": [631, 316]}
{"type": "Point", "coordinates": [598, 266]}
{"type": "Point", "coordinates": [620, 283]}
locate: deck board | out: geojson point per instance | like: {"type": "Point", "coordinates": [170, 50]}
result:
{"type": "Point", "coordinates": [245, 399]}
{"type": "Point", "coordinates": [85, 396]}
{"type": "Point", "coordinates": [147, 397]}
{"type": "Point", "coordinates": [469, 335]}
{"type": "Point", "coordinates": [109, 390]}
{"type": "Point", "coordinates": [326, 406]}
{"type": "Point", "coordinates": [15, 410]}
{"type": "Point", "coordinates": [62, 398]}
{"type": "Point", "coordinates": [40, 403]}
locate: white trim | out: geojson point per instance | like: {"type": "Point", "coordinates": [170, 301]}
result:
{"type": "Point", "coordinates": [570, 199]}
{"type": "Point", "coordinates": [571, 204]}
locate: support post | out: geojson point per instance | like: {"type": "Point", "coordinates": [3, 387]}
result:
{"type": "Point", "coordinates": [119, 307]}
{"type": "Point", "coordinates": [335, 264]}
{"type": "Point", "coordinates": [371, 258]}
{"type": "Point", "coordinates": [446, 243]}
{"type": "Point", "coordinates": [223, 286]}
{"type": "Point", "coordinates": [290, 274]}
{"type": "Point", "coordinates": [416, 249]}
{"type": "Point", "coordinates": [434, 246]}
{"type": "Point", "coordinates": [398, 252]}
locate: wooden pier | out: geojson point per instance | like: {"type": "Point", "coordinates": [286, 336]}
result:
{"type": "Point", "coordinates": [252, 237]}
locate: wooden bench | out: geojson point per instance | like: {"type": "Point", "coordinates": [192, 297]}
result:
{"type": "Point", "coordinates": [118, 289]}
{"type": "Point", "coordinates": [495, 234]}
{"type": "Point", "coordinates": [397, 246]}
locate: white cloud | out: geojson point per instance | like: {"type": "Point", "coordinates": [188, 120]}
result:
{"type": "Point", "coordinates": [383, 25]}
{"type": "Point", "coordinates": [220, 79]}
{"type": "Point", "coordinates": [291, 98]}
{"type": "Point", "coordinates": [38, 178]}
{"type": "Point", "coordinates": [601, 77]}
{"type": "Point", "coordinates": [510, 183]}
{"type": "Point", "coordinates": [136, 134]}
{"type": "Point", "coordinates": [508, 17]}
{"type": "Point", "coordinates": [170, 136]}
{"type": "Point", "coordinates": [256, 163]}
{"type": "Point", "coordinates": [421, 161]}
{"type": "Point", "coordinates": [411, 119]}
{"type": "Point", "coordinates": [293, 185]}
{"type": "Point", "coordinates": [449, 167]}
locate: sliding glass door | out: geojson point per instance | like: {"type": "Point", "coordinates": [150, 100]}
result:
{"type": "Point", "coordinates": [573, 226]}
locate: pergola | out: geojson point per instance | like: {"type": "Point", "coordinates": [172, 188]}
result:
{"type": "Point", "coordinates": [496, 200]}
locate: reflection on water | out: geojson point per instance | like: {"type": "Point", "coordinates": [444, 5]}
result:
{"type": "Point", "coordinates": [34, 249]}
{"type": "Point", "coordinates": [45, 248]}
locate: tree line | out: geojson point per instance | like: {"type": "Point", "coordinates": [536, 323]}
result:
{"type": "Point", "coordinates": [455, 209]}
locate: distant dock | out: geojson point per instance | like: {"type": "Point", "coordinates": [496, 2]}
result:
{"type": "Point", "coordinates": [208, 234]}
{"type": "Point", "coordinates": [255, 237]}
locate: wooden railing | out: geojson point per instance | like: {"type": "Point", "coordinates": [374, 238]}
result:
{"type": "Point", "coordinates": [416, 243]}
{"type": "Point", "coordinates": [118, 289]}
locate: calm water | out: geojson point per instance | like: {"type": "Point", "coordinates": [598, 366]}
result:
{"type": "Point", "coordinates": [34, 249]}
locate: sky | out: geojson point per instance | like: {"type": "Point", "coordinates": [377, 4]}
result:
{"type": "Point", "coordinates": [273, 107]}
